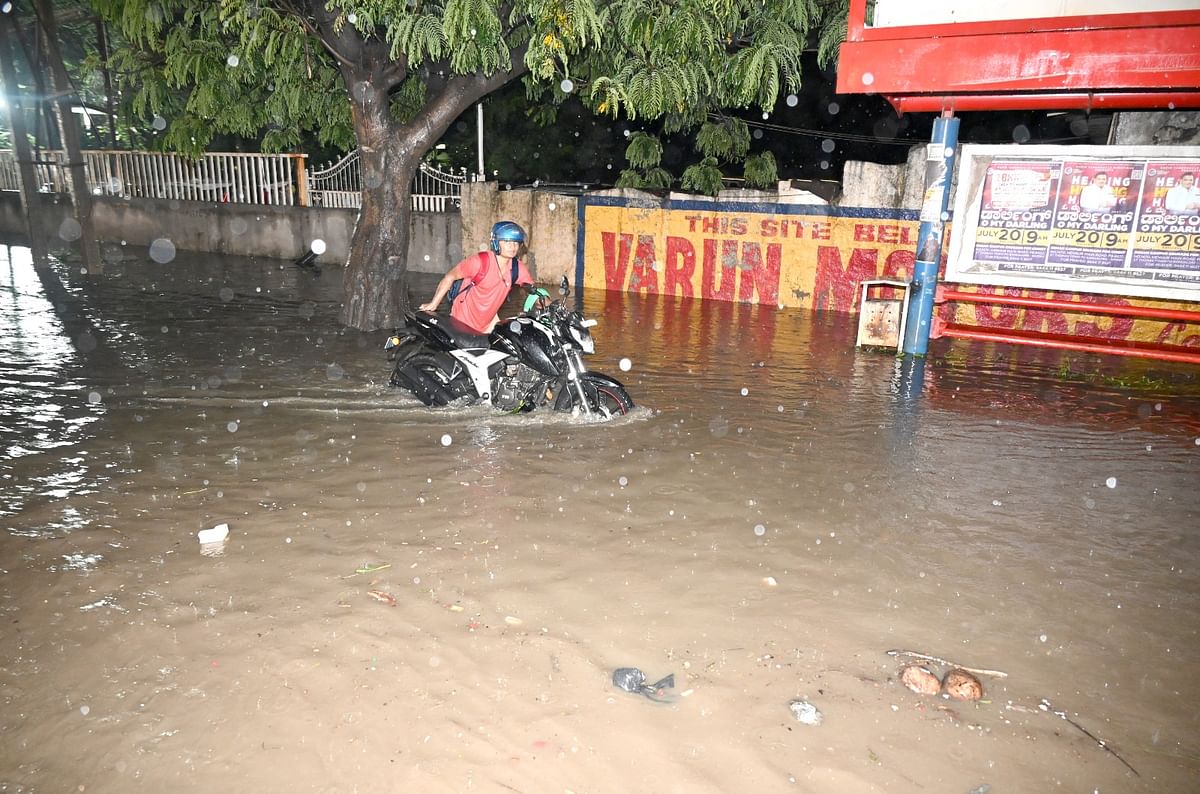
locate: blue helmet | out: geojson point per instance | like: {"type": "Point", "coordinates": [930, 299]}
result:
{"type": "Point", "coordinates": [506, 230]}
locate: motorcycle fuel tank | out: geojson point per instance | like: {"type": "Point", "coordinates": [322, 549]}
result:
{"type": "Point", "coordinates": [532, 341]}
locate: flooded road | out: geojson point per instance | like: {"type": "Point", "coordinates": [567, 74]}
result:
{"type": "Point", "coordinates": [779, 512]}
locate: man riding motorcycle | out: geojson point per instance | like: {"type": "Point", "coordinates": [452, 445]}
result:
{"type": "Point", "coordinates": [485, 279]}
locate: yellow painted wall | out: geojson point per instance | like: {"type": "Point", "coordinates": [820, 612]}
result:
{"type": "Point", "coordinates": [809, 257]}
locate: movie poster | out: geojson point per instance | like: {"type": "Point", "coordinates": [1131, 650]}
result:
{"type": "Point", "coordinates": [1114, 220]}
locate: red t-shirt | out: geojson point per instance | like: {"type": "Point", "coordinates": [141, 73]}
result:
{"type": "Point", "coordinates": [476, 305]}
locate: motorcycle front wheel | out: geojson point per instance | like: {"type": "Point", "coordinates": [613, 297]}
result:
{"type": "Point", "coordinates": [605, 398]}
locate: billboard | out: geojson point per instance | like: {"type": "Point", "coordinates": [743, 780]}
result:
{"type": "Point", "coordinates": [1110, 220]}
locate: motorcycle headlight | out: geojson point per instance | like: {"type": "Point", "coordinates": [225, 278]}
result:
{"type": "Point", "coordinates": [583, 339]}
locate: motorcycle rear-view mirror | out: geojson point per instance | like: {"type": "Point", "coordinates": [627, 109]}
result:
{"type": "Point", "coordinates": [564, 287]}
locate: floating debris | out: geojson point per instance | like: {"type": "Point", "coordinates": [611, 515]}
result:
{"type": "Point", "coordinates": [806, 712]}
{"type": "Point", "coordinates": [920, 680]}
{"type": "Point", "coordinates": [386, 598]}
{"type": "Point", "coordinates": [961, 685]}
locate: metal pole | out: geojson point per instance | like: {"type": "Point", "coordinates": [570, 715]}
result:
{"type": "Point", "coordinates": [939, 167]}
{"type": "Point", "coordinates": [479, 133]}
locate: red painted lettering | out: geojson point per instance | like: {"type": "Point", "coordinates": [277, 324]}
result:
{"type": "Point", "coordinates": [727, 263]}
{"type": "Point", "coordinates": [899, 265]}
{"type": "Point", "coordinates": [1045, 321]}
{"type": "Point", "coordinates": [644, 278]}
{"type": "Point", "coordinates": [756, 276]}
{"type": "Point", "coordinates": [997, 316]}
{"type": "Point", "coordinates": [681, 264]}
{"type": "Point", "coordinates": [834, 286]}
{"type": "Point", "coordinates": [616, 260]}
{"type": "Point", "coordinates": [1116, 327]}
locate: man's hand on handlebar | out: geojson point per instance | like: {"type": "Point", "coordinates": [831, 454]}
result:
{"type": "Point", "coordinates": [538, 297]}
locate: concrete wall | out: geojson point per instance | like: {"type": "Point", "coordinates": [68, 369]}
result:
{"type": "Point", "coordinates": [279, 232]}
{"type": "Point", "coordinates": [550, 220]}
{"type": "Point", "coordinates": [1168, 128]}
{"type": "Point", "coordinates": [900, 187]}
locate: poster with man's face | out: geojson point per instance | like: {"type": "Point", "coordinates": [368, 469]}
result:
{"type": "Point", "coordinates": [1099, 187]}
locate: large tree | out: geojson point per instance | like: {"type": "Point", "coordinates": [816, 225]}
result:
{"type": "Point", "coordinates": [392, 75]}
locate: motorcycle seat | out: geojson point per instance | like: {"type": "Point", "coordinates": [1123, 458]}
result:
{"type": "Point", "coordinates": [463, 335]}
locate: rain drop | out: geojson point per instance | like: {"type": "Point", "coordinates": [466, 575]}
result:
{"type": "Point", "coordinates": [1111, 482]}
{"type": "Point", "coordinates": [162, 250]}
{"type": "Point", "coordinates": [868, 78]}
{"type": "Point", "coordinates": [792, 100]}
{"type": "Point", "coordinates": [70, 230]}
{"type": "Point", "coordinates": [159, 123]}
{"type": "Point", "coordinates": [745, 391]}
{"type": "Point", "coordinates": [627, 365]}
{"type": "Point", "coordinates": [317, 246]}
{"type": "Point", "coordinates": [232, 60]}
{"type": "Point", "coordinates": [446, 440]}
{"type": "Point", "coordinates": [623, 481]}
{"type": "Point", "coordinates": [94, 397]}
{"type": "Point", "coordinates": [226, 294]}
{"type": "Point", "coordinates": [766, 115]}
{"type": "Point", "coordinates": [232, 427]}
{"type": "Point", "coordinates": [352, 17]}
{"type": "Point", "coordinates": [567, 86]}
{"type": "Point", "coordinates": [834, 108]}
{"type": "Point", "coordinates": [84, 710]}
{"type": "Point", "coordinates": [552, 206]}
{"type": "Point", "coordinates": [828, 145]}
{"type": "Point", "coordinates": [1021, 134]}
{"type": "Point", "coordinates": [760, 530]}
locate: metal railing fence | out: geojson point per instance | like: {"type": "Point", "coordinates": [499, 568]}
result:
{"type": "Point", "coordinates": [339, 184]}
{"type": "Point", "coordinates": [260, 179]}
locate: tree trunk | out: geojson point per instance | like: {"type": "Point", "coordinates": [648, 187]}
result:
{"type": "Point", "coordinates": [81, 197]}
{"type": "Point", "coordinates": [374, 281]}
{"type": "Point", "coordinates": [16, 114]}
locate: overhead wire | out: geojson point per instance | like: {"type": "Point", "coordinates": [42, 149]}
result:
{"type": "Point", "coordinates": [871, 139]}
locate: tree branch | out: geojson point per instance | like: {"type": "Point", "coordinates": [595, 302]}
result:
{"type": "Point", "coordinates": [313, 28]}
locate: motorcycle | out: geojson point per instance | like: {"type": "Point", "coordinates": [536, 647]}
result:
{"type": "Point", "coordinates": [532, 360]}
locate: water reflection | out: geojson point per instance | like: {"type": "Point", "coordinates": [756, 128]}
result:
{"type": "Point", "coordinates": [46, 409]}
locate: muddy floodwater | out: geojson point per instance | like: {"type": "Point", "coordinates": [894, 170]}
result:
{"type": "Point", "coordinates": [416, 600]}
